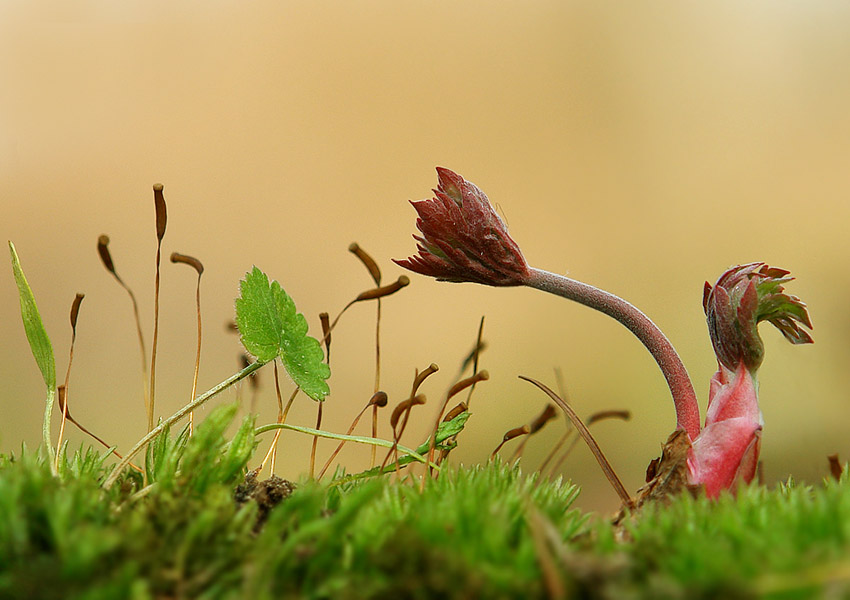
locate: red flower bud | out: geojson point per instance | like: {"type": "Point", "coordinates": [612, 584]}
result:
{"type": "Point", "coordinates": [463, 239]}
{"type": "Point", "coordinates": [743, 297]}
{"type": "Point", "coordinates": [726, 451]}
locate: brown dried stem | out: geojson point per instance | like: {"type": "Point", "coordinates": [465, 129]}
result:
{"type": "Point", "coordinates": [536, 425]}
{"type": "Point", "coordinates": [161, 219]}
{"type": "Point", "coordinates": [316, 440]}
{"type": "Point", "coordinates": [195, 264]}
{"type": "Point", "coordinates": [63, 403]}
{"type": "Point", "coordinates": [835, 468]}
{"type": "Point", "coordinates": [281, 418]}
{"type": "Point", "coordinates": [106, 258]}
{"type": "Point", "coordinates": [618, 486]}
{"type": "Point", "coordinates": [375, 272]}
{"type": "Point", "coordinates": [595, 417]}
{"type": "Point", "coordinates": [510, 435]}
{"type": "Point", "coordinates": [378, 400]}
{"type": "Point", "coordinates": [401, 413]}
{"type": "Point", "coordinates": [367, 261]}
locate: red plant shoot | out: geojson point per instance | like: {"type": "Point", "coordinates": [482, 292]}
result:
{"type": "Point", "coordinates": [726, 451]}
{"type": "Point", "coordinates": [464, 240]}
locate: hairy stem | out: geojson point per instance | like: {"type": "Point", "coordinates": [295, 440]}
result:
{"type": "Point", "coordinates": [349, 438]}
{"type": "Point", "coordinates": [116, 471]}
{"type": "Point", "coordinates": [684, 398]}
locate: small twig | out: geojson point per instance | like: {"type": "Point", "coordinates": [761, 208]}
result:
{"type": "Point", "coordinates": [536, 425]}
{"type": "Point", "coordinates": [510, 435]}
{"type": "Point", "coordinates": [407, 405]}
{"type": "Point", "coordinates": [401, 412]}
{"type": "Point", "coordinates": [835, 468]}
{"type": "Point", "coordinates": [480, 345]}
{"type": "Point", "coordinates": [367, 261]}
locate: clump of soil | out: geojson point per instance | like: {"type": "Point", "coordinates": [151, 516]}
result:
{"type": "Point", "coordinates": [267, 494]}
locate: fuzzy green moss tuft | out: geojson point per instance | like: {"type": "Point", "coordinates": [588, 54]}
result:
{"type": "Point", "coordinates": [481, 532]}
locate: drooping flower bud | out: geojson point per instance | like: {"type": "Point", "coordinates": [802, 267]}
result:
{"type": "Point", "coordinates": [463, 239]}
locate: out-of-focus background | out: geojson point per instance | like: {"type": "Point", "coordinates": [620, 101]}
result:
{"type": "Point", "coordinates": [641, 147]}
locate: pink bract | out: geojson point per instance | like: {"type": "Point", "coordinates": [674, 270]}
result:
{"type": "Point", "coordinates": [726, 451]}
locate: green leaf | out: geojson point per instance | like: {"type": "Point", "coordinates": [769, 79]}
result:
{"type": "Point", "coordinates": [446, 430]}
{"type": "Point", "coordinates": [40, 345]}
{"type": "Point", "coordinates": [270, 327]}
{"type": "Point", "coordinates": [41, 348]}
{"type": "Point", "coordinates": [445, 433]}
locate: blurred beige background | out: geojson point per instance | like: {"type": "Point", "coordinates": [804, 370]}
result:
{"type": "Point", "coordinates": [643, 147]}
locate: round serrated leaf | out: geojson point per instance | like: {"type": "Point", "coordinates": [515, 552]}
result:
{"type": "Point", "coordinates": [270, 326]}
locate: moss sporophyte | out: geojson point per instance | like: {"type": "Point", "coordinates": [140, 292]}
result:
{"type": "Point", "coordinates": [464, 240]}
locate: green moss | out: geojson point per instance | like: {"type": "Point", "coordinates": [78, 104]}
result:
{"type": "Point", "coordinates": [792, 541]}
{"type": "Point", "coordinates": [480, 532]}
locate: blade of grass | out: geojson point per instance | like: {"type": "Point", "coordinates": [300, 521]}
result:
{"type": "Point", "coordinates": [42, 350]}
{"type": "Point", "coordinates": [595, 417]}
{"type": "Point", "coordinates": [618, 486]}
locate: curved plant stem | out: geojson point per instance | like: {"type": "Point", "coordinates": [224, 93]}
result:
{"type": "Point", "coordinates": [281, 417]}
{"type": "Point", "coordinates": [684, 398]}
{"type": "Point", "coordinates": [377, 376]}
{"type": "Point", "coordinates": [591, 443]}
{"type": "Point", "coordinates": [349, 438]}
{"type": "Point", "coordinates": [116, 471]}
{"type": "Point", "coordinates": [197, 356]}
{"type": "Point", "coordinates": [342, 443]}
{"type": "Point", "coordinates": [155, 338]}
